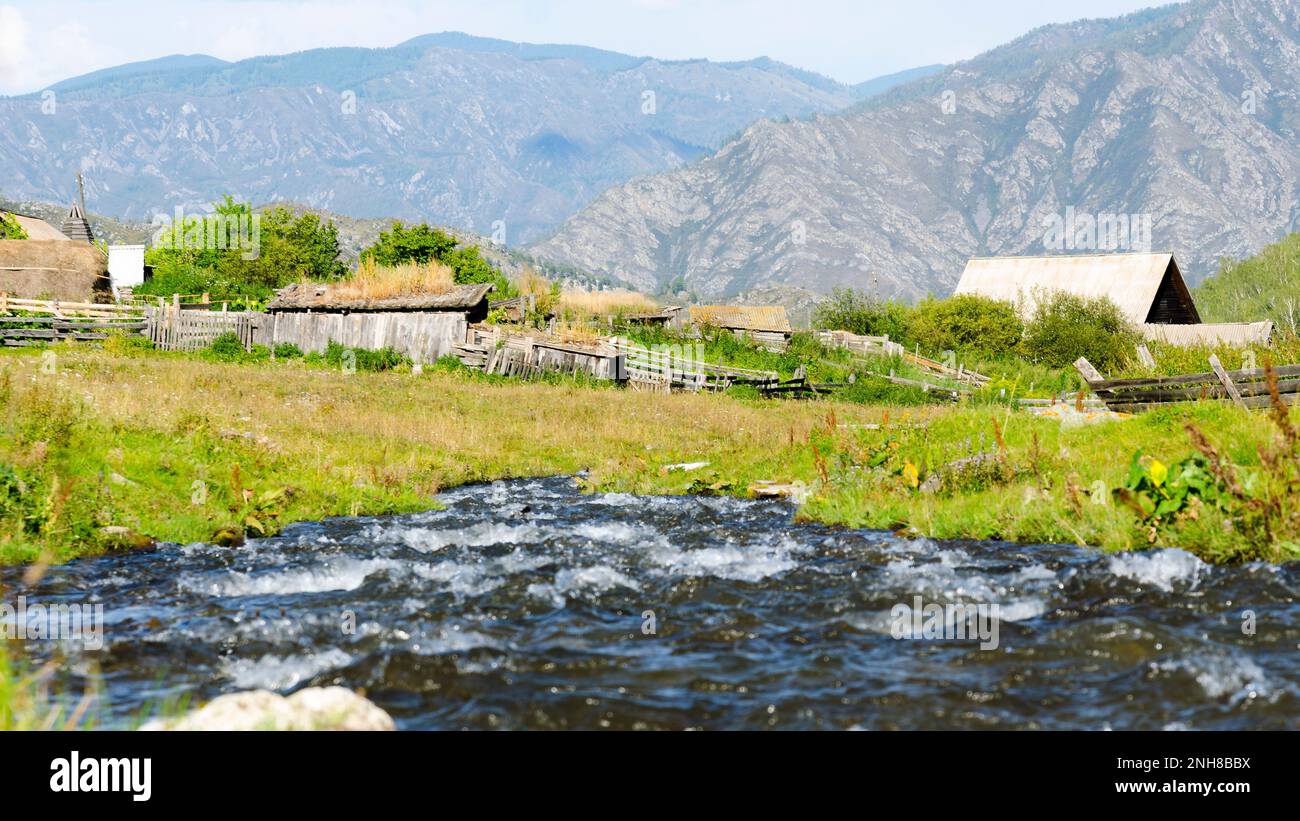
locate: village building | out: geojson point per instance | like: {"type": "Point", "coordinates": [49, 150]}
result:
{"type": "Point", "coordinates": [768, 326]}
{"type": "Point", "coordinates": [1148, 288]}
{"type": "Point", "coordinates": [423, 326]}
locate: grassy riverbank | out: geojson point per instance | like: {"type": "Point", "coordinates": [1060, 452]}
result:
{"type": "Point", "coordinates": [102, 451]}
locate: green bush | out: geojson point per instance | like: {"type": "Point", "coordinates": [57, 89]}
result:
{"type": "Point", "coordinates": [863, 314]}
{"type": "Point", "coordinates": [226, 348]}
{"type": "Point", "coordinates": [127, 344]}
{"type": "Point", "coordinates": [869, 391]}
{"type": "Point", "coordinates": [968, 324]}
{"type": "Point", "coordinates": [420, 243]}
{"type": "Point", "coordinates": [1065, 327]}
{"type": "Point", "coordinates": [384, 359]}
{"type": "Point", "coordinates": [287, 350]}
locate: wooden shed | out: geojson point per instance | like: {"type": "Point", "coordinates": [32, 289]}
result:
{"type": "Point", "coordinates": [423, 326]}
{"type": "Point", "coordinates": [767, 325]}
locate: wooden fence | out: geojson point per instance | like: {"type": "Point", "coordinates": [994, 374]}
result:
{"type": "Point", "coordinates": [45, 321]}
{"type": "Point", "coordinates": [864, 345]}
{"type": "Point", "coordinates": [175, 329]}
{"type": "Point", "coordinates": [881, 346]}
{"type": "Point", "coordinates": [666, 369]}
{"type": "Point", "coordinates": [494, 351]}
{"type": "Point", "coordinates": [1246, 388]}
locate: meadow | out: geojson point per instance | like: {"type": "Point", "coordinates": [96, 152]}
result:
{"type": "Point", "coordinates": [104, 450]}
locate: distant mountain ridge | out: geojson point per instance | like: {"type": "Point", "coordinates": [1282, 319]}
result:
{"type": "Point", "coordinates": [1188, 114]}
{"type": "Point", "coordinates": [502, 138]}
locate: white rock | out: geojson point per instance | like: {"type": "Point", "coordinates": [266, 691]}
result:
{"type": "Point", "coordinates": [315, 708]}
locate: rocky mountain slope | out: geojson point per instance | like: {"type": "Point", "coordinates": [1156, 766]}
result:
{"type": "Point", "coordinates": [1186, 114]}
{"type": "Point", "coordinates": [506, 139]}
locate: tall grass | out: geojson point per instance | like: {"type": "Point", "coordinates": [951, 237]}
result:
{"type": "Point", "coordinates": [372, 281]}
{"type": "Point", "coordinates": [576, 303]}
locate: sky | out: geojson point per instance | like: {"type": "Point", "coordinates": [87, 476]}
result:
{"type": "Point", "coordinates": [42, 41]}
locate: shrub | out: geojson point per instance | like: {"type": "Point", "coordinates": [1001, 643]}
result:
{"type": "Point", "coordinates": [46, 416]}
{"type": "Point", "coordinates": [226, 348]}
{"type": "Point", "coordinates": [288, 350]}
{"type": "Point", "coordinates": [967, 324]}
{"type": "Point", "coordinates": [1065, 327]}
{"type": "Point", "coordinates": [421, 244]}
{"type": "Point", "coordinates": [863, 314]}
{"type": "Point", "coordinates": [384, 359]}
{"type": "Point", "coordinates": [127, 344]}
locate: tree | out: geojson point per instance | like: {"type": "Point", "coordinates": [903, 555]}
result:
{"type": "Point", "coordinates": [416, 243]}
{"type": "Point", "coordinates": [420, 244]}
{"type": "Point", "coordinates": [863, 314]}
{"type": "Point", "coordinates": [967, 323]}
{"type": "Point", "coordinates": [236, 251]}
{"type": "Point", "coordinates": [1065, 327]}
{"type": "Point", "coordinates": [10, 229]}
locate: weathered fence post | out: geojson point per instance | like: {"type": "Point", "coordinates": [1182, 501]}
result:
{"type": "Point", "coordinates": [1227, 381]}
{"type": "Point", "coordinates": [1145, 357]}
{"type": "Point", "coordinates": [1089, 373]}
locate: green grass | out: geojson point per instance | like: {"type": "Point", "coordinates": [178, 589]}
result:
{"type": "Point", "coordinates": [108, 448]}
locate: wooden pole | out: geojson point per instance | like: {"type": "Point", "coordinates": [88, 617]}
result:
{"type": "Point", "coordinates": [1227, 381]}
{"type": "Point", "coordinates": [1089, 373]}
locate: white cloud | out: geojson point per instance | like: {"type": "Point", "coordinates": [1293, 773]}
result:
{"type": "Point", "coordinates": [15, 56]}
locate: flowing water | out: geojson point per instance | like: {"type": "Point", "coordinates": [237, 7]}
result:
{"type": "Point", "coordinates": [526, 604]}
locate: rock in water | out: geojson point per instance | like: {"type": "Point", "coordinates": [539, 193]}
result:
{"type": "Point", "coordinates": [315, 708]}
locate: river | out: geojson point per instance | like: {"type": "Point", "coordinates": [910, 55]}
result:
{"type": "Point", "coordinates": [526, 604]}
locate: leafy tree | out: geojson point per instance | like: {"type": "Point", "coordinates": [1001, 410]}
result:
{"type": "Point", "coordinates": [420, 243]}
{"type": "Point", "coordinates": [1265, 286]}
{"type": "Point", "coordinates": [967, 323]}
{"type": "Point", "coordinates": [229, 254]}
{"type": "Point", "coordinates": [415, 243]}
{"type": "Point", "coordinates": [1065, 327]}
{"type": "Point", "coordinates": [863, 314]}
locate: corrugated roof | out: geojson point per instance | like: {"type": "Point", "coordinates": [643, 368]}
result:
{"type": "Point", "coordinates": [1130, 280]}
{"type": "Point", "coordinates": [1241, 334]}
{"type": "Point", "coordinates": [742, 318]}
{"type": "Point", "coordinates": [300, 297]}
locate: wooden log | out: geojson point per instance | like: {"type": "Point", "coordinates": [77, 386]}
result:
{"type": "Point", "coordinates": [1226, 380]}
{"type": "Point", "coordinates": [1088, 372]}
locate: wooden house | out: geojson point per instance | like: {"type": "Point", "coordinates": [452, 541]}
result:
{"type": "Point", "coordinates": [768, 325]}
{"type": "Point", "coordinates": [1148, 289]}
{"type": "Point", "coordinates": [423, 326]}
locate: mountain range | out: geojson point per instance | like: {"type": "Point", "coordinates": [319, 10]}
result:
{"type": "Point", "coordinates": [1185, 115]}
{"type": "Point", "coordinates": [506, 139]}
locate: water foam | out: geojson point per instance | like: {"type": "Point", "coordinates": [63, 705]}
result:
{"type": "Point", "coordinates": [1159, 568]}
{"type": "Point", "coordinates": [335, 574]}
{"type": "Point", "coordinates": [276, 673]}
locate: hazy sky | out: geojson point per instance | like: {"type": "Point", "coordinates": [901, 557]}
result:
{"type": "Point", "coordinates": [44, 41]}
